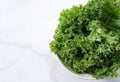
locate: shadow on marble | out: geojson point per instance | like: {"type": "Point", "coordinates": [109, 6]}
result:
{"type": "Point", "coordinates": [60, 74]}
{"type": "Point", "coordinates": [113, 79]}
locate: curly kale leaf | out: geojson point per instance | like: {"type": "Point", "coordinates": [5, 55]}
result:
{"type": "Point", "coordinates": [87, 38]}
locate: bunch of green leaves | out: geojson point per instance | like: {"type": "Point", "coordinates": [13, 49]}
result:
{"type": "Point", "coordinates": [87, 38]}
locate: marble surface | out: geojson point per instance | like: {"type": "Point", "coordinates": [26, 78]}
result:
{"type": "Point", "coordinates": [26, 28]}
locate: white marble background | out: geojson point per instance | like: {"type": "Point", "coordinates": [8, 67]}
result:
{"type": "Point", "coordinates": [26, 28]}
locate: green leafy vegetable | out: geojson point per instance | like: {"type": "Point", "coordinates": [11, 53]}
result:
{"type": "Point", "coordinates": [87, 38]}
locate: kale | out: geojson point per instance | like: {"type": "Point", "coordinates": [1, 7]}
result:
{"type": "Point", "coordinates": [87, 38]}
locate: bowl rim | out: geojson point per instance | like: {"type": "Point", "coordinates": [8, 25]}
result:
{"type": "Point", "coordinates": [85, 76]}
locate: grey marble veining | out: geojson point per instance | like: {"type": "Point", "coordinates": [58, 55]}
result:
{"type": "Point", "coordinates": [26, 28]}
